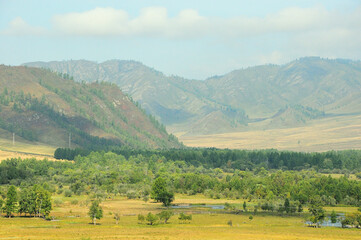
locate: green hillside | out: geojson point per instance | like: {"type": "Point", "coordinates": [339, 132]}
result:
{"type": "Point", "coordinates": [42, 106]}
{"type": "Point", "coordinates": [175, 101]}
{"type": "Point", "coordinates": [230, 102]}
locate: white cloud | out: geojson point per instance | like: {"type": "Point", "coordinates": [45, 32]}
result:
{"type": "Point", "coordinates": [18, 27]}
{"type": "Point", "coordinates": [305, 31]}
{"type": "Point", "coordinates": [97, 22]}
{"type": "Point", "coordinates": [155, 22]}
{"type": "Point", "coordinates": [152, 21]}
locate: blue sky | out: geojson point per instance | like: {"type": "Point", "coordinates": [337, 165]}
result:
{"type": "Point", "coordinates": [193, 39]}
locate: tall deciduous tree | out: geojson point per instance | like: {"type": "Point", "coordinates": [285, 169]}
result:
{"type": "Point", "coordinates": [95, 211]}
{"type": "Point", "coordinates": [318, 214]}
{"type": "Point", "coordinates": [333, 217]}
{"type": "Point", "coordinates": [160, 192]}
{"type": "Point", "coordinates": [11, 201]}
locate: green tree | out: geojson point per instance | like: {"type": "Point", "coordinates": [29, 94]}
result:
{"type": "Point", "coordinates": [165, 215]}
{"type": "Point", "coordinates": [317, 214]}
{"type": "Point", "coordinates": [287, 205]}
{"type": "Point", "coordinates": [95, 211]}
{"type": "Point", "coordinates": [245, 206]}
{"type": "Point", "coordinates": [1, 205]}
{"type": "Point", "coordinates": [333, 217]}
{"type": "Point", "coordinates": [300, 208]}
{"type": "Point", "coordinates": [45, 202]}
{"type": "Point", "coordinates": [24, 201]}
{"type": "Point", "coordinates": [35, 200]}
{"type": "Point", "coordinates": [151, 218]}
{"type": "Point", "coordinates": [184, 217]}
{"type": "Point", "coordinates": [160, 192]}
{"type": "Point", "coordinates": [11, 200]}
{"type": "Point", "coordinates": [116, 217]}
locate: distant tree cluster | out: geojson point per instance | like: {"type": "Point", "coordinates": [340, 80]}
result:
{"type": "Point", "coordinates": [253, 159]}
{"type": "Point", "coordinates": [35, 201]}
{"type": "Point", "coordinates": [142, 177]}
{"type": "Point", "coordinates": [70, 154]}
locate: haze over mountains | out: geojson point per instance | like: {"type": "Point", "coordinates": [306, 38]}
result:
{"type": "Point", "coordinates": [274, 96]}
{"type": "Point", "coordinates": [40, 106]}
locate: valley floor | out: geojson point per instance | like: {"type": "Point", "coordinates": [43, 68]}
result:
{"type": "Point", "coordinates": [73, 223]}
{"type": "Point", "coordinates": [335, 133]}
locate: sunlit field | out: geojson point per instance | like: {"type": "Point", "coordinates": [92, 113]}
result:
{"type": "Point", "coordinates": [337, 133]}
{"type": "Point", "coordinates": [71, 222]}
{"type": "Point", "coordinates": [24, 150]}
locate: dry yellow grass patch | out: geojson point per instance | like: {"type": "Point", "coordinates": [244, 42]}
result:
{"type": "Point", "coordinates": [335, 133]}
{"type": "Point", "coordinates": [8, 155]}
{"type": "Point", "coordinates": [73, 223]}
{"type": "Point", "coordinates": [24, 149]}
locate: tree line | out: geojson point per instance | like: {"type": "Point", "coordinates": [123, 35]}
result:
{"type": "Point", "coordinates": [33, 201]}
{"type": "Point", "coordinates": [107, 174]}
{"type": "Point", "coordinates": [337, 161]}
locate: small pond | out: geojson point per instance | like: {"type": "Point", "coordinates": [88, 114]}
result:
{"type": "Point", "coordinates": [328, 223]}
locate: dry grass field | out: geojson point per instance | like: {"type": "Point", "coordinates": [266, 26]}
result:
{"type": "Point", "coordinates": [24, 149]}
{"type": "Point", "coordinates": [72, 223]}
{"type": "Point", "coordinates": [8, 155]}
{"type": "Point", "coordinates": [336, 133]}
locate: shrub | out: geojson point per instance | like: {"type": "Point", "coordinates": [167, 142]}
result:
{"type": "Point", "coordinates": [151, 218]}
{"type": "Point", "coordinates": [165, 215]}
{"type": "Point", "coordinates": [184, 217]}
{"type": "Point", "coordinates": [68, 193]}
{"type": "Point", "coordinates": [230, 223]}
{"type": "Point", "coordinates": [131, 194]}
{"type": "Point", "coordinates": [58, 202]}
{"type": "Point", "coordinates": [141, 217]}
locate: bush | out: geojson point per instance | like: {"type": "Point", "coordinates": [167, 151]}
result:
{"type": "Point", "coordinates": [131, 194]}
{"type": "Point", "coordinates": [230, 223]}
{"type": "Point", "coordinates": [58, 202]}
{"type": "Point", "coordinates": [165, 215]}
{"type": "Point", "coordinates": [68, 193]}
{"type": "Point", "coordinates": [152, 219]}
{"type": "Point", "coordinates": [141, 217]}
{"type": "Point", "coordinates": [184, 217]}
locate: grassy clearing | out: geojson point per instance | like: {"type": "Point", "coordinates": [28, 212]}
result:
{"type": "Point", "coordinates": [8, 155]}
{"type": "Point", "coordinates": [338, 175]}
{"type": "Point", "coordinates": [73, 223]}
{"type": "Point", "coordinates": [337, 133]}
{"type": "Point", "coordinates": [24, 149]}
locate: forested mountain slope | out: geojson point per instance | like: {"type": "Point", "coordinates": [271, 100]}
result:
{"type": "Point", "coordinates": [175, 101]}
{"type": "Point", "coordinates": [42, 106]}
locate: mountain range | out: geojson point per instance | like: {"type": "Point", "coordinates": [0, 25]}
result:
{"type": "Point", "coordinates": [42, 106]}
{"type": "Point", "coordinates": [276, 96]}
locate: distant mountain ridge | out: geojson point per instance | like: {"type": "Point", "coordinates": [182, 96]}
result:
{"type": "Point", "coordinates": [39, 105]}
{"type": "Point", "coordinates": [230, 102]}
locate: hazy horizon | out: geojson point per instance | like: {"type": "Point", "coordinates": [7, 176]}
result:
{"type": "Point", "coordinates": [187, 39]}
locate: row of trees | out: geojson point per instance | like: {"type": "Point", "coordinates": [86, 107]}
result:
{"type": "Point", "coordinates": [113, 174]}
{"type": "Point", "coordinates": [33, 201]}
{"type": "Point", "coordinates": [251, 160]}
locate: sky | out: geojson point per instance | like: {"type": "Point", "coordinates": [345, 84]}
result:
{"type": "Point", "coordinates": [194, 39]}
